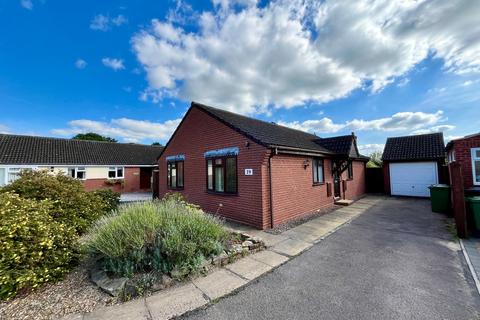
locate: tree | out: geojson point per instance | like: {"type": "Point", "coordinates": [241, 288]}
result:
{"type": "Point", "coordinates": [376, 159]}
{"type": "Point", "coordinates": [92, 136]}
{"type": "Point", "coordinates": [157, 144]}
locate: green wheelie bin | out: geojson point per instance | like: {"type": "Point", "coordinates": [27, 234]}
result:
{"type": "Point", "coordinates": [474, 204]}
{"type": "Point", "coordinates": [440, 198]}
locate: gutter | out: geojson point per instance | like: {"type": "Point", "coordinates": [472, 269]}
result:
{"type": "Point", "coordinates": [273, 152]}
{"type": "Point", "coordinates": [285, 149]}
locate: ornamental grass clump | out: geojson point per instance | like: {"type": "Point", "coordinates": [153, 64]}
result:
{"type": "Point", "coordinates": [34, 247]}
{"type": "Point", "coordinates": [156, 236]}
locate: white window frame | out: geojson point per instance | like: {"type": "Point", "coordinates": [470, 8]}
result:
{"type": "Point", "coordinates": [451, 156]}
{"type": "Point", "coordinates": [116, 172]}
{"type": "Point", "coordinates": [76, 170]}
{"type": "Point", "coordinates": [9, 168]}
{"type": "Point", "coordinates": [474, 159]}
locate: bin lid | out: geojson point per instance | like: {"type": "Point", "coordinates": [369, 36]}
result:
{"type": "Point", "coordinates": [446, 186]}
{"type": "Point", "coordinates": [474, 199]}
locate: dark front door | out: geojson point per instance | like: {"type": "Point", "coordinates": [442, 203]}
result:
{"type": "Point", "coordinates": [336, 185]}
{"type": "Point", "coordinates": [145, 178]}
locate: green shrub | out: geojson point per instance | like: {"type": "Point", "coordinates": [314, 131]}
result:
{"type": "Point", "coordinates": [34, 248]}
{"type": "Point", "coordinates": [161, 236]}
{"type": "Point", "coordinates": [109, 198]}
{"type": "Point", "coordinates": [71, 204]}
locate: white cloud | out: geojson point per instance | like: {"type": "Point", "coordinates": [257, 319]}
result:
{"type": "Point", "coordinates": [4, 129]}
{"type": "Point", "coordinates": [402, 121]}
{"type": "Point", "coordinates": [129, 130]}
{"type": "Point", "coordinates": [403, 82]}
{"type": "Point", "coordinates": [119, 20]}
{"type": "Point", "coordinates": [80, 64]}
{"type": "Point", "coordinates": [367, 149]}
{"type": "Point", "coordinates": [288, 53]}
{"type": "Point", "coordinates": [27, 4]}
{"type": "Point", "coordinates": [104, 22]}
{"type": "Point", "coordinates": [441, 128]}
{"type": "Point", "coordinates": [113, 63]}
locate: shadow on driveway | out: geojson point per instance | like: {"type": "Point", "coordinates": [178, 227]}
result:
{"type": "Point", "coordinates": [396, 261]}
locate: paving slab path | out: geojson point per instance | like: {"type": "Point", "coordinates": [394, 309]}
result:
{"type": "Point", "coordinates": [397, 260]}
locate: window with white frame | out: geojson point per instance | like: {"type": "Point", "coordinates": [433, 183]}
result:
{"type": "Point", "coordinates": [78, 173]}
{"type": "Point", "coordinates": [13, 174]}
{"type": "Point", "coordinates": [318, 173]}
{"type": "Point", "coordinates": [476, 165]}
{"type": "Point", "coordinates": [451, 156]}
{"type": "Point", "coordinates": [115, 172]}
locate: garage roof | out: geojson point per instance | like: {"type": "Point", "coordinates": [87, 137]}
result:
{"type": "Point", "coordinates": [415, 148]}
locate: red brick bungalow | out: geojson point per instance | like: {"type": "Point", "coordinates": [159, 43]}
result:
{"type": "Point", "coordinates": [466, 151]}
{"type": "Point", "coordinates": [123, 167]}
{"type": "Point", "coordinates": [255, 172]}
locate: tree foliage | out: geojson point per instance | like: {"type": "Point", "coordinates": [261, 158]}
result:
{"type": "Point", "coordinates": [92, 136]}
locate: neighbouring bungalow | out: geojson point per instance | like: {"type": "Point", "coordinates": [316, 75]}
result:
{"type": "Point", "coordinates": [466, 152]}
{"type": "Point", "coordinates": [256, 172]}
{"type": "Point", "coordinates": [119, 166]}
{"type": "Point", "coordinates": [413, 163]}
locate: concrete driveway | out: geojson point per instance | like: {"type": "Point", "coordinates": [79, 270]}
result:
{"type": "Point", "coordinates": [396, 261]}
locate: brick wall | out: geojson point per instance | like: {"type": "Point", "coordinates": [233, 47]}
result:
{"type": "Point", "coordinates": [463, 156]}
{"type": "Point", "coordinates": [131, 182]}
{"type": "Point", "coordinates": [356, 187]}
{"type": "Point", "coordinates": [200, 132]}
{"type": "Point", "coordinates": [294, 194]}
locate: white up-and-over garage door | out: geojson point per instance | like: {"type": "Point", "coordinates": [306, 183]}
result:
{"type": "Point", "coordinates": [412, 178]}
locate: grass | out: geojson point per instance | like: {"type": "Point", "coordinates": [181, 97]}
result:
{"type": "Point", "coordinates": [161, 235]}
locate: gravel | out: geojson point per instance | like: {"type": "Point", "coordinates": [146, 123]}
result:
{"type": "Point", "coordinates": [76, 293]}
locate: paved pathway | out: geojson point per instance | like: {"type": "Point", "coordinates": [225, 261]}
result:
{"type": "Point", "coordinates": [205, 290]}
{"type": "Point", "coordinates": [395, 261]}
{"type": "Point", "coordinates": [471, 249]}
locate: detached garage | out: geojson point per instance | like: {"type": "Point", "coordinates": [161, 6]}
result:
{"type": "Point", "coordinates": [411, 164]}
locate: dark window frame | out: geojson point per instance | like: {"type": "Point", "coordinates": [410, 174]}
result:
{"type": "Point", "coordinates": [224, 173]}
{"type": "Point", "coordinates": [350, 170]}
{"type": "Point", "coordinates": [169, 175]}
{"type": "Point", "coordinates": [315, 167]}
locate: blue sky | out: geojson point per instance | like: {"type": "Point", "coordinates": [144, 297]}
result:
{"type": "Point", "coordinates": [129, 69]}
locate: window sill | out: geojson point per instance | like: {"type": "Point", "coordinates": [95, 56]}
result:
{"type": "Point", "coordinates": [175, 189]}
{"type": "Point", "coordinates": [222, 193]}
{"type": "Point", "coordinates": [316, 184]}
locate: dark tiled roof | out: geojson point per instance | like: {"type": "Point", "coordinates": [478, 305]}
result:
{"type": "Point", "coordinates": [17, 149]}
{"type": "Point", "coordinates": [419, 147]}
{"type": "Point", "coordinates": [266, 133]}
{"type": "Point", "coordinates": [341, 145]}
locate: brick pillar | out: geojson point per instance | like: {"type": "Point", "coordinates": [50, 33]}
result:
{"type": "Point", "coordinates": [458, 199]}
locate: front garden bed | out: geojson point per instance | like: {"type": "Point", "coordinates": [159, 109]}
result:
{"type": "Point", "coordinates": [147, 247]}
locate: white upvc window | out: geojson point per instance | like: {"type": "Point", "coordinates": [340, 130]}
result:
{"type": "Point", "coordinates": [451, 156]}
{"type": "Point", "coordinates": [115, 172]}
{"type": "Point", "coordinates": [476, 165]}
{"type": "Point", "coordinates": [10, 174]}
{"type": "Point", "coordinates": [78, 173]}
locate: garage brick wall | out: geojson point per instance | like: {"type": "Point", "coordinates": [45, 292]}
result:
{"type": "Point", "coordinates": [463, 156]}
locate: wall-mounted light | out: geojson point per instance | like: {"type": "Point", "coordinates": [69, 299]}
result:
{"type": "Point", "coordinates": [247, 144]}
{"type": "Point", "coordinates": [306, 163]}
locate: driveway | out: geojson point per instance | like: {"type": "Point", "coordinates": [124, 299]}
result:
{"type": "Point", "coordinates": [396, 261]}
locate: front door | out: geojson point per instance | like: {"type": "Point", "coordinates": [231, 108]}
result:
{"type": "Point", "coordinates": [145, 178]}
{"type": "Point", "coordinates": [336, 185]}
